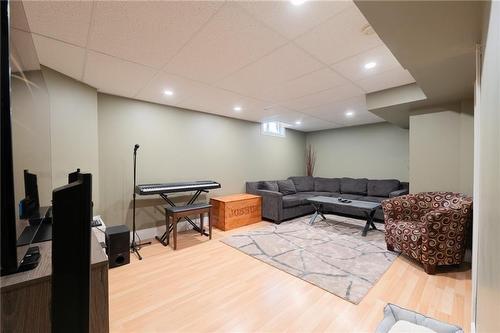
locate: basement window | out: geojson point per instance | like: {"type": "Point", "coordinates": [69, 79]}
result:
{"type": "Point", "coordinates": [273, 128]}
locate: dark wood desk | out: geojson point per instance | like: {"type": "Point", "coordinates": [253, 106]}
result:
{"type": "Point", "coordinates": [26, 296]}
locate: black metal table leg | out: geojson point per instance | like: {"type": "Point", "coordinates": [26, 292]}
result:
{"type": "Point", "coordinates": [369, 222]}
{"type": "Point", "coordinates": [316, 213]}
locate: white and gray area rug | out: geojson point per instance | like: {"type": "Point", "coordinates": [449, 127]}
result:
{"type": "Point", "coordinates": [330, 254]}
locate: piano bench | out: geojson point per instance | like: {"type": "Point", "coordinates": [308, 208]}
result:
{"type": "Point", "coordinates": [176, 213]}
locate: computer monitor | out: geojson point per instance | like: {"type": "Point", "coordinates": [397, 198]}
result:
{"type": "Point", "coordinates": [31, 202]}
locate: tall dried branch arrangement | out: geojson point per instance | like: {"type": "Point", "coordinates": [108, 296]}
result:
{"type": "Point", "coordinates": [310, 160]}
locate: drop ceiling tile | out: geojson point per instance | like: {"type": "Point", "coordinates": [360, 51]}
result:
{"type": "Point", "coordinates": [182, 89]}
{"type": "Point", "coordinates": [285, 116]}
{"type": "Point", "coordinates": [219, 101]}
{"type": "Point", "coordinates": [290, 20]}
{"type": "Point", "coordinates": [336, 110]}
{"type": "Point", "coordinates": [307, 123]}
{"type": "Point", "coordinates": [231, 39]}
{"type": "Point", "coordinates": [304, 85]}
{"type": "Point", "coordinates": [392, 78]}
{"type": "Point", "coordinates": [284, 64]}
{"type": "Point", "coordinates": [62, 57]}
{"type": "Point", "coordinates": [115, 76]}
{"type": "Point", "coordinates": [316, 125]}
{"type": "Point", "coordinates": [26, 59]}
{"type": "Point", "coordinates": [147, 32]}
{"type": "Point", "coordinates": [64, 20]}
{"type": "Point", "coordinates": [353, 68]}
{"type": "Point", "coordinates": [325, 97]}
{"type": "Point", "coordinates": [360, 118]}
{"type": "Point", "coordinates": [340, 37]}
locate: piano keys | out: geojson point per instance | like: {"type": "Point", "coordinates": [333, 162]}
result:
{"type": "Point", "coordinates": [200, 185]}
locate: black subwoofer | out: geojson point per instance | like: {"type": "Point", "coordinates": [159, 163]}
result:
{"type": "Point", "coordinates": [118, 245]}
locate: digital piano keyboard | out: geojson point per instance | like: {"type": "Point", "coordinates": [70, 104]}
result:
{"type": "Point", "coordinates": [201, 185]}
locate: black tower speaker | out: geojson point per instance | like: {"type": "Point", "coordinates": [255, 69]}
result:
{"type": "Point", "coordinates": [118, 245]}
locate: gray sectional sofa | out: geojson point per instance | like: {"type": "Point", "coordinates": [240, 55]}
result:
{"type": "Point", "coordinates": [286, 199]}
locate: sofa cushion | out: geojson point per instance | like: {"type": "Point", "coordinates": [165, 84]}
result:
{"type": "Point", "coordinates": [303, 184]}
{"type": "Point", "coordinates": [286, 187]}
{"type": "Point", "coordinates": [353, 186]}
{"type": "Point", "coordinates": [382, 187]}
{"type": "Point", "coordinates": [326, 184]}
{"type": "Point", "coordinates": [270, 185]}
{"type": "Point", "coordinates": [373, 199]}
{"type": "Point", "coordinates": [294, 200]}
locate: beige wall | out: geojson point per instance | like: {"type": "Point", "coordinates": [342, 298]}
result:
{"type": "Point", "coordinates": [374, 151]}
{"type": "Point", "coordinates": [487, 178]}
{"type": "Point", "coordinates": [178, 144]}
{"type": "Point", "coordinates": [73, 127]}
{"type": "Point", "coordinates": [441, 152]}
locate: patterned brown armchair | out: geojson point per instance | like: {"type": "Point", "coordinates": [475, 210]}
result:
{"type": "Point", "coordinates": [430, 227]}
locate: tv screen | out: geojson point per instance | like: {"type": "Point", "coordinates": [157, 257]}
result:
{"type": "Point", "coordinates": [25, 135]}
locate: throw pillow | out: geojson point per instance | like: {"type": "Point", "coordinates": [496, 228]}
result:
{"type": "Point", "coordinates": [286, 187]}
{"type": "Point", "coordinates": [303, 184]}
{"type": "Point", "coordinates": [270, 186]}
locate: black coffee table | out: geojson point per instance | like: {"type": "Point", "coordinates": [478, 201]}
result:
{"type": "Point", "coordinates": [321, 205]}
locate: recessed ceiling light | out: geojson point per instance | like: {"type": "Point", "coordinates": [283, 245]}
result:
{"type": "Point", "coordinates": [237, 108]}
{"type": "Point", "coordinates": [370, 65]}
{"type": "Point", "coordinates": [298, 122]}
{"type": "Point", "coordinates": [168, 92]}
{"type": "Point", "coordinates": [349, 114]}
{"type": "Point", "coordinates": [297, 2]}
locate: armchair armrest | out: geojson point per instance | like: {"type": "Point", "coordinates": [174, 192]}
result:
{"type": "Point", "coordinates": [444, 236]}
{"type": "Point", "coordinates": [272, 205]}
{"type": "Point", "coordinates": [442, 220]}
{"type": "Point", "coordinates": [398, 193]}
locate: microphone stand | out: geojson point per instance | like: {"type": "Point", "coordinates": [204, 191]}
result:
{"type": "Point", "coordinates": [135, 247]}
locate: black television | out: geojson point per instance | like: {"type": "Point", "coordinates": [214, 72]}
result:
{"type": "Point", "coordinates": [25, 141]}
{"type": "Point", "coordinates": [71, 253]}
{"type": "Point", "coordinates": [9, 257]}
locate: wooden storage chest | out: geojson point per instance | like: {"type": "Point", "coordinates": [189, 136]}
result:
{"type": "Point", "coordinates": [235, 211]}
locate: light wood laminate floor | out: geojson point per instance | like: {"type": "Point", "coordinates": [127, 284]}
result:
{"type": "Point", "coordinates": [206, 286]}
